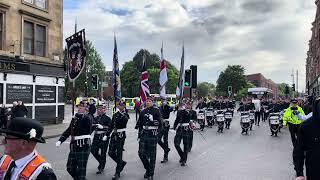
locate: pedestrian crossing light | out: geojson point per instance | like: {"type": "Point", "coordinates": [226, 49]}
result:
{"type": "Point", "coordinates": [293, 87]}
{"type": "Point", "coordinates": [94, 81]}
{"type": "Point", "coordinates": [187, 78]}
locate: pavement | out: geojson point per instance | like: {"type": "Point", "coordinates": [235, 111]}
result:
{"type": "Point", "coordinates": [220, 156]}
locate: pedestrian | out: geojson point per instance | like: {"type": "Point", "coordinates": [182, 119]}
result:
{"type": "Point", "coordinates": [183, 133]}
{"type": "Point", "coordinates": [3, 116]}
{"type": "Point", "coordinates": [257, 109]}
{"type": "Point", "coordinates": [80, 131]}
{"type": "Point", "coordinates": [118, 137]}
{"type": "Point", "coordinates": [21, 160]}
{"type": "Point", "coordinates": [292, 120]}
{"type": "Point", "coordinates": [149, 124]}
{"type": "Point", "coordinates": [307, 148]}
{"type": "Point", "coordinates": [137, 108]}
{"type": "Point", "coordinates": [99, 147]}
{"type": "Point", "coordinates": [20, 110]}
{"type": "Point", "coordinates": [165, 111]}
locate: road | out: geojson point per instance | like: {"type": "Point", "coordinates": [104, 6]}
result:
{"type": "Point", "coordinates": [221, 156]}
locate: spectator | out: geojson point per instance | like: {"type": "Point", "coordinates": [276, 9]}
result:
{"type": "Point", "coordinates": [3, 116]}
{"type": "Point", "coordinates": [20, 110]}
{"type": "Point", "coordinates": [137, 105]}
{"type": "Point", "coordinates": [306, 150]}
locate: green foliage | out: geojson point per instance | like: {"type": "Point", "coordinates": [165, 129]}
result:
{"type": "Point", "coordinates": [206, 89]}
{"type": "Point", "coordinates": [282, 89]}
{"type": "Point", "coordinates": [94, 65]}
{"type": "Point", "coordinates": [243, 92]}
{"type": "Point", "coordinates": [130, 75]}
{"type": "Point", "coordinates": [233, 76]}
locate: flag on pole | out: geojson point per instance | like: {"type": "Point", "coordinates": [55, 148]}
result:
{"type": "Point", "coordinates": [144, 87]}
{"type": "Point", "coordinates": [180, 87]}
{"type": "Point", "coordinates": [163, 78]}
{"type": "Point", "coordinates": [116, 74]}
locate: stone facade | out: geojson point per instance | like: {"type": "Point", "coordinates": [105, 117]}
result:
{"type": "Point", "coordinates": [31, 57]}
{"type": "Point", "coordinates": [260, 81]}
{"type": "Point", "coordinates": [312, 61]}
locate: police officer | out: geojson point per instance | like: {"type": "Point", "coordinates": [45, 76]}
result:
{"type": "Point", "coordinates": [165, 110]}
{"type": "Point", "coordinates": [292, 120]}
{"type": "Point", "coordinates": [307, 148]}
{"type": "Point", "coordinates": [118, 137]}
{"type": "Point", "coordinates": [101, 137]}
{"type": "Point", "coordinates": [183, 132]}
{"type": "Point", "coordinates": [79, 130]}
{"type": "Point", "coordinates": [149, 124]}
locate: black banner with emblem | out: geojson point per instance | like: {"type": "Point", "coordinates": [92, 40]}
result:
{"type": "Point", "coordinates": [76, 54]}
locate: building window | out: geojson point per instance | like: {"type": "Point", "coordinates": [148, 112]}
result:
{"type": "Point", "coordinates": [34, 39]}
{"type": "Point", "coordinates": [28, 37]}
{"type": "Point", "coordinates": [1, 30]}
{"type": "Point", "coordinates": [38, 3]}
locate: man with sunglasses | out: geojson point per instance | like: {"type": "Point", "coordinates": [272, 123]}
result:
{"type": "Point", "coordinates": [21, 160]}
{"type": "Point", "coordinates": [307, 148]}
{"type": "Point", "coordinates": [292, 120]}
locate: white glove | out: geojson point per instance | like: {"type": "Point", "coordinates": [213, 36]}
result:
{"type": "Point", "coordinates": [104, 138]}
{"type": "Point", "coordinates": [99, 126]}
{"type": "Point", "coordinates": [58, 143]}
{"type": "Point", "coordinates": [150, 117]}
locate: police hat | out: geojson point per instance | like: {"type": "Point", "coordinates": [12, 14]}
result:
{"type": "Point", "coordinates": [25, 128]}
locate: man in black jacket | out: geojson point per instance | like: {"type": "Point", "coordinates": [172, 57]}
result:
{"type": "Point", "coordinates": [80, 131]}
{"type": "Point", "coordinates": [102, 124]}
{"type": "Point", "coordinates": [307, 148]}
{"type": "Point", "coordinates": [165, 110]}
{"type": "Point", "coordinates": [149, 124]}
{"type": "Point", "coordinates": [118, 137]}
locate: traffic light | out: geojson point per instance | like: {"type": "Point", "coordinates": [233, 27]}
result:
{"type": "Point", "coordinates": [287, 90]}
{"type": "Point", "coordinates": [293, 87]}
{"type": "Point", "coordinates": [187, 78]}
{"type": "Point", "coordinates": [94, 81]}
{"type": "Point", "coordinates": [193, 76]}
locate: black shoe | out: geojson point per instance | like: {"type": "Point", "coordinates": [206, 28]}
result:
{"type": "Point", "coordinates": [181, 160]}
{"type": "Point", "coordinates": [99, 171]}
{"type": "Point", "coordinates": [116, 177]}
{"type": "Point", "coordinates": [150, 178]}
{"type": "Point", "coordinates": [183, 163]}
{"type": "Point", "coordinates": [146, 175]}
{"type": "Point", "coordinates": [164, 160]}
{"type": "Point", "coordinates": [258, 125]}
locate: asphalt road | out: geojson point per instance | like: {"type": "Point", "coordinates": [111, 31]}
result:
{"type": "Point", "coordinates": [220, 156]}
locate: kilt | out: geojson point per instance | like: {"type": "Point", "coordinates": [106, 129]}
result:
{"type": "Point", "coordinates": [148, 150]}
{"type": "Point", "coordinates": [116, 149]}
{"type": "Point", "coordinates": [185, 136]}
{"type": "Point", "coordinates": [99, 144]}
{"type": "Point", "coordinates": [77, 161]}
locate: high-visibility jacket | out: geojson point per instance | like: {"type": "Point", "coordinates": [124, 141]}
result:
{"type": "Point", "coordinates": [288, 116]}
{"type": "Point", "coordinates": [30, 171]}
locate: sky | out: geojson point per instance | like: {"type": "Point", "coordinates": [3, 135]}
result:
{"type": "Point", "coordinates": [265, 36]}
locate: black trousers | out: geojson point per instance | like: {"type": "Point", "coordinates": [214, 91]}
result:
{"type": "Point", "coordinates": [185, 136]}
{"type": "Point", "coordinates": [163, 134]}
{"type": "Point", "coordinates": [294, 128]}
{"type": "Point", "coordinates": [116, 149]}
{"type": "Point", "coordinates": [77, 161]}
{"type": "Point", "coordinates": [148, 150]}
{"type": "Point", "coordinates": [257, 117]}
{"type": "Point", "coordinates": [102, 146]}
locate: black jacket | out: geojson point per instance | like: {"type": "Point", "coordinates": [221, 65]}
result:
{"type": "Point", "coordinates": [274, 108]}
{"type": "Point", "coordinates": [80, 124]}
{"type": "Point", "coordinates": [183, 116]}
{"type": "Point", "coordinates": [92, 109]}
{"type": "Point", "coordinates": [46, 174]}
{"type": "Point", "coordinates": [165, 111]}
{"type": "Point", "coordinates": [105, 121]}
{"type": "Point", "coordinates": [144, 119]}
{"type": "Point", "coordinates": [20, 111]}
{"type": "Point", "coordinates": [120, 120]}
{"type": "Point", "coordinates": [307, 149]}
{"type": "Point", "coordinates": [201, 105]}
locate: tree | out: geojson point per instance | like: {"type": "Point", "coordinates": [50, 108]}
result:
{"type": "Point", "coordinates": [243, 92]}
{"type": "Point", "coordinates": [282, 89]}
{"type": "Point", "coordinates": [233, 76]}
{"type": "Point", "coordinates": [206, 89]}
{"type": "Point", "coordinates": [94, 65]}
{"type": "Point", "coordinates": [131, 72]}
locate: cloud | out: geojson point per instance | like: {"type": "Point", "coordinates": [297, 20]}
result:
{"type": "Point", "coordinates": [269, 36]}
